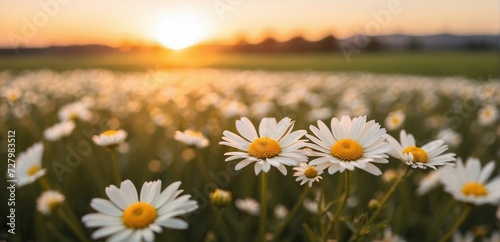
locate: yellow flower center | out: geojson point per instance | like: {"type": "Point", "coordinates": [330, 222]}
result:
{"type": "Point", "coordinates": [347, 150]}
{"type": "Point", "coordinates": [475, 189]}
{"type": "Point", "coordinates": [73, 116]}
{"type": "Point", "coordinates": [139, 215]}
{"type": "Point", "coordinates": [264, 148]}
{"type": "Point", "coordinates": [53, 205]}
{"type": "Point", "coordinates": [311, 172]}
{"type": "Point", "coordinates": [33, 170]}
{"type": "Point", "coordinates": [419, 155]}
{"type": "Point", "coordinates": [13, 96]}
{"type": "Point", "coordinates": [395, 120]}
{"type": "Point", "coordinates": [194, 133]}
{"type": "Point", "coordinates": [110, 132]}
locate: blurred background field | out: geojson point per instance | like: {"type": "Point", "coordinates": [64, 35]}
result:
{"type": "Point", "coordinates": [471, 64]}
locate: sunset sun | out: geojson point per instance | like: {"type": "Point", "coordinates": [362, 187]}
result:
{"type": "Point", "coordinates": [180, 30]}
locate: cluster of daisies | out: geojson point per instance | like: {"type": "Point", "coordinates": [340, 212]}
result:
{"type": "Point", "coordinates": [345, 145]}
{"type": "Point", "coordinates": [128, 215]}
{"type": "Point", "coordinates": [349, 144]}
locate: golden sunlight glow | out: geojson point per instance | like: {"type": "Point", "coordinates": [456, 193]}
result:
{"type": "Point", "coordinates": [180, 30]}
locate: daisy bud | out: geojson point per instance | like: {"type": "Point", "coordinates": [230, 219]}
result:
{"type": "Point", "coordinates": [220, 198]}
{"type": "Point", "coordinates": [373, 204]}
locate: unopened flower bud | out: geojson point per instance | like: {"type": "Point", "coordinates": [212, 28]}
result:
{"type": "Point", "coordinates": [220, 198]}
{"type": "Point", "coordinates": [373, 204]}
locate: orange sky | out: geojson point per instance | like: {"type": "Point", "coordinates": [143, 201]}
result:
{"type": "Point", "coordinates": [113, 22]}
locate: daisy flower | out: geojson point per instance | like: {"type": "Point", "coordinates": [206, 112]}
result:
{"type": "Point", "coordinates": [429, 182]}
{"type": "Point", "coordinates": [349, 144]}
{"type": "Point", "coordinates": [75, 111]}
{"type": "Point", "coordinates": [450, 137]}
{"type": "Point", "coordinates": [59, 130]}
{"type": "Point", "coordinates": [128, 216]}
{"type": "Point", "coordinates": [280, 211]}
{"type": "Point", "coordinates": [429, 155]}
{"type": "Point", "coordinates": [307, 174]}
{"type": "Point", "coordinates": [275, 145]}
{"type": "Point", "coordinates": [488, 115]}
{"type": "Point", "coordinates": [110, 138]}
{"type": "Point", "coordinates": [394, 120]}
{"type": "Point", "coordinates": [468, 183]}
{"type": "Point", "coordinates": [29, 165]}
{"type": "Point", "coordinates": [192, 138]}
{"type": "Point", "coordinates": [12, 94]}
{"type": "Point", "coordinates": [248, 205]}
{"type": "Point", "coordinates": [49, 201]}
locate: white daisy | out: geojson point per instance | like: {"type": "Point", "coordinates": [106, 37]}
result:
{"type": "Point", "coordinates": [429, 182]}
{"type": "Point", "coordinates": [310, 205]}
{"type": "Point", "coordinates": [248, 205]}
{"type": "Point", "coordinates": [192, 138]}
{"type": "Point", "coordinates": [49, 201]}
{"type": "Point", "coordinates": [307, 174]}
{"type": "Point", "coordinates": [450, 137]}
{"type": "Point", "coordinates": [29, 165]}
{"type": "Point", "coordinates": [488, 115]}
{"type": "Point", "coordinates": [349, 144]}
{"type": "Point", "coordinates": [75, 111]}
{"type": "Point", "coordinates": [110, 138]}
{"type": "Point", "coordinates": [394, 120]}
{"type": "Point", "coordinates": [275, 145]}
{"type": "Point", "coordinates": [59, 130]}
{"type": "Point", "coordinates": [280, 211]}
{"type": "Point", "coordinates": [128, 216]}
{"type": "Point", "coordinates": [468, 183]}
{"type": "Point", "coordinates": [12, 94]}
{"type": "Point", "coordinates": [429, 155]}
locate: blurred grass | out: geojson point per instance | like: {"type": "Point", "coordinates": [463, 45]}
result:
{"type": "Point", "coordinates": [475, 65]}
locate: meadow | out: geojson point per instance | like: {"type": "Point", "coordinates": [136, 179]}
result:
{"type": "Point", "coordinates": [471, 64]}
{"type": "Point", "coordinates": [448, 98]}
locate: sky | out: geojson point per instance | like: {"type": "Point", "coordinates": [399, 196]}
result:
{"type": "Point", "coordinates": [38, 23]}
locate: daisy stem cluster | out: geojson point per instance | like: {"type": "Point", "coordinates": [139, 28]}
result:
{"type": "Point", "coordinates": [375, 214]}
{"type": "Point", "coordinates": [458, 222]}
{"type": "Point", "coordinates": [291, 214]}
{"type": "Point", "coordinates": [263, 207]}
{"type": "Point", "coordinates": [340, 208]}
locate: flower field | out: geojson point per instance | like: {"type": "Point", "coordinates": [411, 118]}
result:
{"type": "Point", "coordinates": [233, 155]}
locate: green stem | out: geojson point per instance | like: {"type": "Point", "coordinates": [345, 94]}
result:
{"type": "Point", "coordinates": [263, 207]}
{"type": "Point", "coordinates": [202, 167]}
{"type": "Point", "coordinates": [460, 220]}
{"type": "Point", "coordinates": [382, 203]}
{"type": "Point", "coordinates": [116, 167]}
{"type": "Point", "coordinates": [341, 207]}
{"type": "Point", "coordinates": [73, 225]}
{"type": "Point", "coordinates": [387, 196]}
{"type": "Point", "coordinates": [224, 232]}
{"type": "Point", "coordinates": [292, 213]}
{"type": "Point", "coordinates": [45, 184]}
